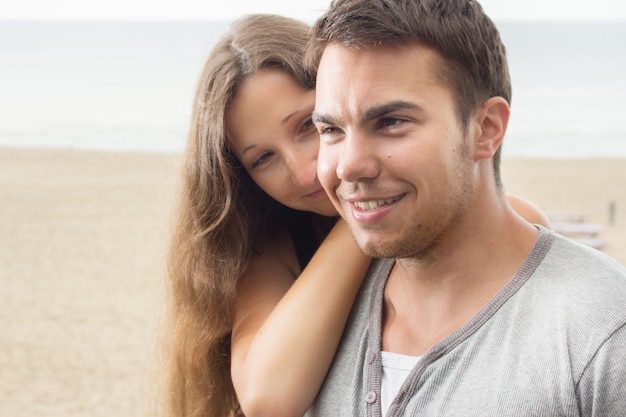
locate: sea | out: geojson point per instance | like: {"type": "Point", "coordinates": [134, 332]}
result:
{"type": "Point", "coordinates": [129, 85]}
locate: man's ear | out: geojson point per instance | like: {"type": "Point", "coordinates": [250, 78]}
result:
{"type": "Point", "coordinates": [492, 119]}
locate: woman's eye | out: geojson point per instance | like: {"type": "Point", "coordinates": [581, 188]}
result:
{"type": "Point", "coordinates": [262, 159]}
{"type": "Point", "coordinates": [308, 124]}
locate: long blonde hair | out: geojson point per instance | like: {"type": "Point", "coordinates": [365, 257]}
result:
{"type": "Point", "coordinates": [222, 217]}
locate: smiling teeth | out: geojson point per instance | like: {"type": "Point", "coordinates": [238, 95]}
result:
{"type": "Point", "coordinates": [371, 205]}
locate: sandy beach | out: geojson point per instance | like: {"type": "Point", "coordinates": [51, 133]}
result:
{"type": "Point", "coordinates": [82, 242]}
{"type": "Point", "coordinates": [82, 239]}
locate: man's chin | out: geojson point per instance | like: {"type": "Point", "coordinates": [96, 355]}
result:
{"type": "Point", "coordinates": [373, 247]}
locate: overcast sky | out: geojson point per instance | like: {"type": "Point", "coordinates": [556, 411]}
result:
{"type": "Point", "coordinates": [302, 9]}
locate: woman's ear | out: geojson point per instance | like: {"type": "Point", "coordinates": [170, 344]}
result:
{"type": "Point", "coordinates": [492, 119]}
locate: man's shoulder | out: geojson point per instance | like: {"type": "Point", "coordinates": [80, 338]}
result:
{"type": "Point", "coordinates": [345, 375]}
{"type": "Point", "coordinates": [583, 286]}
{"type": "Point", "coordinates": [575, 259]}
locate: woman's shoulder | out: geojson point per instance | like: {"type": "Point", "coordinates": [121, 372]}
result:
{"type": "Point", "coordinates": [278, 250]}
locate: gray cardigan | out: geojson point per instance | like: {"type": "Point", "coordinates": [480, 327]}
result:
{"type": "Point", "coordinates": [552, 342]}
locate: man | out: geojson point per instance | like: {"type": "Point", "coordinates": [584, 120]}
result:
{"type": "Point", "coordinates": [474, 312]}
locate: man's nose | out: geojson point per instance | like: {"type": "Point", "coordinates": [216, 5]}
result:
{"type": "Point", "coordinates": [357, 160]}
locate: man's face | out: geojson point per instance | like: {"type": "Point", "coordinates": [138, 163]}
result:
{"type": "Point", "coordinates": [394, 157]}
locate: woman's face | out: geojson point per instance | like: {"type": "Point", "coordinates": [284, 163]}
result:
{"type": "Point", "coordinates": [269, 123]}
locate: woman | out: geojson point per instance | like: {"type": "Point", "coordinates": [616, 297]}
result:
{"type": "Point", "coordinates": [252, 214]}
{"type": "Point", "coordinates": [235, 250]}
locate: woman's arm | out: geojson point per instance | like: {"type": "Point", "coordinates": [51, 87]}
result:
{"type": "Point", "coordinates": [286, 333]}
{"type": "Point", "coordinates": [528, 211]}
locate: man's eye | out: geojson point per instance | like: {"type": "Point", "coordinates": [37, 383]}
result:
{"type": "Point", "coordinates": [262, 159]}
{"type": "Point", "coordinates": [390, 121]}
{"type": "Point", "coordinates": [328, 130]}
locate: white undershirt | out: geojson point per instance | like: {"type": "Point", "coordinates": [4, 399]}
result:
{"type": "Point", "coordinates": [396, 368]}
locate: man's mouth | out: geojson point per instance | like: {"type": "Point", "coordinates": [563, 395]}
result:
{"type": "Point", "coordinates": [374, 204]}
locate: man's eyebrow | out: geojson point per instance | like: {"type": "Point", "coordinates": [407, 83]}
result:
{"type": "Point", "coordinates": [372, 113]}
{"type": "Point", "coordinates": [322, 118]}
{"type": "Point", "coordinates": [377, 112]}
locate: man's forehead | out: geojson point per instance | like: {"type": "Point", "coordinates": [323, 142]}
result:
{"type": "Point", "coordinates": [377, 75]}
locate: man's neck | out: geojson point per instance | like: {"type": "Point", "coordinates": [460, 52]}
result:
{"type": "Point", "coordinates": [428, 298]}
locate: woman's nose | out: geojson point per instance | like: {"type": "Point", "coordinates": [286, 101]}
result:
{"type": "Point", "coordinates": [303, 170]}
